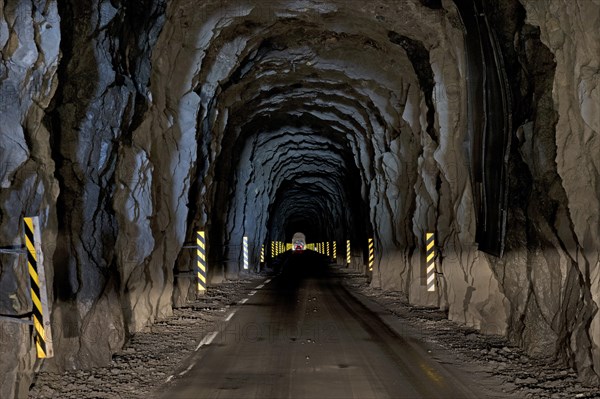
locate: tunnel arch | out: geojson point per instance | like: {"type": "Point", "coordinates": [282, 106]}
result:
{"type": "Point", "coordinates": [311, 100]}
{"type": "Point", "coordinates": [134, 127]}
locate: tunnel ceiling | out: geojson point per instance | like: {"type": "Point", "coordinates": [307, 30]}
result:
{"type": "Point", "coordinates": [301, 99]}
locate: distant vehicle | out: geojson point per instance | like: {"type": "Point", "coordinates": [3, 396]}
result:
{"type": "Point", "coordinates": [298, 243]}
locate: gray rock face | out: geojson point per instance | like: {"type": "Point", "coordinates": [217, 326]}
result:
{"type": "Point", "coordinates": [127, 128]}
{"type": "Point", "coordinates": [29, 43]}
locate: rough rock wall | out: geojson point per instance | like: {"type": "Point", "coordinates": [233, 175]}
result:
{"type": "Point", "coordinates": [560, 146]}
{"type": "Point", "coordinates": [61, 127]}
{"type": "Point", "coordinates": [104, 75]}
{"type": "Point", "coordinates": [542, 292]}
{"type": "Point", "coordinates": [29, 37]}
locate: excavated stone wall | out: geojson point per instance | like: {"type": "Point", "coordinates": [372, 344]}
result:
{"type": "Point", "coordinates": [29, 42]}
{"type": "Point", "coordinates": [559, 145]}
{"type": "Point", "coordinates": [127, 127]}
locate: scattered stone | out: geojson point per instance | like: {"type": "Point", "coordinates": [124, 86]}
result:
{"type": "Point", "coordinates": [528, 380]}
{"type": "Point", "coordinates": [148, 358]}
{"type": "Point", "coordinates": [491, 353]}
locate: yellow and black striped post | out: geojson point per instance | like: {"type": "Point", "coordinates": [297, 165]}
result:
{"type": "Point", "coordinates": [348, 257]}
{"type": "Point", "coordinates": [335, 250]}
{"type": "Point", "coordinates": [262, 253]}
{"type": "Point", "coordinates": [39, 294]}
{"type": "Point", "coordinates": [328, 253]}
{"type": "Point", "coordinates": [430, 253]}
{"type": "Point", "coordinates": [371, 254]}
{"type": "Point", "coordinates": [201, 261]}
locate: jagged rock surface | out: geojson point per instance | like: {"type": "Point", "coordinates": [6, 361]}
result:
{"type": "Point", "coordinates": [128, 127]}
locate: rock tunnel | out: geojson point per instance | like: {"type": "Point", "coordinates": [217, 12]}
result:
{"type": "Point", "coordinates": [128, 126]}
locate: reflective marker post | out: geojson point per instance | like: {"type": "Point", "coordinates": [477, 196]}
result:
{"type": "Point", "coordinates": [348, 256]}
{"type": "Point", "coordinates": [245, 252]}
{"type": "Point", "coordinates": [430, 253]}
{"type": "Point", "coordinates": [39, 294]}
{"type": "Point", "coordinates": [262, 253]}
{"type": "Point", "coordinates": [335, 250]}
{"type": "Point", "coordinates": [328, 253]}
{"type": "Point", "coordinates": [201, 261]}
{"type": "Point", "coordinates": [371, 254]}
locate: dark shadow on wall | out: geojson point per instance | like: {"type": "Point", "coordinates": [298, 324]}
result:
{"type": "Point", "coordinates": [103, 74]}
{"type": "Point", "coordinates": [489, 113]}
{"type": "Point", "coordinates": [66, 112]}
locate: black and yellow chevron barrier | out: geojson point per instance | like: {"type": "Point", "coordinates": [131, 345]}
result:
{"type": "Point", "coordinates": [201, 261]}
{"type": "Point", "coordinates": [39, 295]}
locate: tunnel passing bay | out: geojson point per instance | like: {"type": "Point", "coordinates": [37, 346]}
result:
{"type": "Point", "coordinates": [302, 335]}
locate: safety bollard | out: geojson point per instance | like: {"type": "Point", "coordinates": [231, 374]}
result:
{"type": "Point", "coordinates": [201, 261]}
{"type": "Point", "coordinates": [371, 254]}
{"type": "Point", "coordinates": [430, 252]}
{"type": "Point", "coordinates": [39, 294]}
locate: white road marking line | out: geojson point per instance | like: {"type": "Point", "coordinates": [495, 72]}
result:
{"type": "Point", "coordinates": [207, 340]}
{"type": "Point", "coordinates": [211, 337]}
{"type": "Point", "coordinates": [230, 316]}
{"type": "Point", "coordinates": [244, 300]}
{"type": "Point", "coordinates": [186, 370]}
{"type": "Point", "coordinates": [252, 293]}
{"type": "Point", "coordinates": [260, 286]}
{"type": "Point", "coordinates": [169, 378]}
{"type": "Point", "coordinates": [267, 281]}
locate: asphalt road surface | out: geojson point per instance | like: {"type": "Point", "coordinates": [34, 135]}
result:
{"type": "Point", "coordinates": [302, 335]}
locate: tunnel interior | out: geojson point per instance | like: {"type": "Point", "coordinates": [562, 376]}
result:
{"type": "Point", "coordinates": [127, 128]}
{"type": "Point", "coordinates": [295, 115]}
